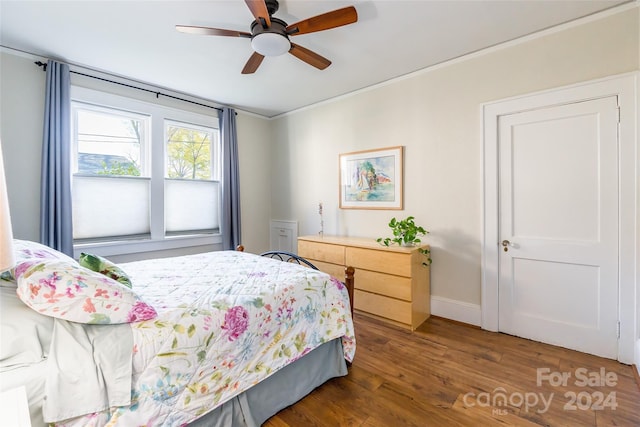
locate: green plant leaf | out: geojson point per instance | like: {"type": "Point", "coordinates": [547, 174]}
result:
{"type": "Point", "coordinates": [405, 232]}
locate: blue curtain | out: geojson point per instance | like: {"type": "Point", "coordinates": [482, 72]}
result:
{"type": "Point", "coordinates": [55, 198]}
{"type": "Point", "coordinates": [230, 180]}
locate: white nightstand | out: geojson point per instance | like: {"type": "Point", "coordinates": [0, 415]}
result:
{"type": "Point", "coordinates": [14, 408]}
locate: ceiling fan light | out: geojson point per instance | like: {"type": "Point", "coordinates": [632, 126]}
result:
{"type": "Point", "coordinates": [270, 44]}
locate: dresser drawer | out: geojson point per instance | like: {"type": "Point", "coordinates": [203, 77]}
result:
{"type": "Point", "coordinates": [321, 252]}
{"type": "Point", "coordinates": [383, 261]}
{"type": "Point", "coordinates": [383, 284]}
{"type": "Point", "coordinates": [336, 271]}
{"type": "Point", "coordinates": [390, 308]}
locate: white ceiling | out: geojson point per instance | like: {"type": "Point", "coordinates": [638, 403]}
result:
{"type": "Point", "coordinates": [137, 39]}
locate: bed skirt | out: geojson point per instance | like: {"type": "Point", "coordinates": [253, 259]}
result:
{"type": "Point", "coordinates": [284, 388]}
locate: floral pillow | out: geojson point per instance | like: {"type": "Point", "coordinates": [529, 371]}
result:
{"type": "Point", "coordinates": [104, 266]}
{"type": "Point", "coordinates": [68, 291]}
{"type": "Point", "coordinates": [27, 250]}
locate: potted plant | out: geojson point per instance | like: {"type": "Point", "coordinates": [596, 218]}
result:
{"type": "Point", "coordinates": [406, 233]}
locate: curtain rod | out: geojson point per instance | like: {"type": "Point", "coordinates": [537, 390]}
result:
{"type": "Point", "coordinates": [157, 93]}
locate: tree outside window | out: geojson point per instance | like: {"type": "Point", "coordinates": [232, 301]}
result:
{"type": "Point", "coordinates": [188, 152]}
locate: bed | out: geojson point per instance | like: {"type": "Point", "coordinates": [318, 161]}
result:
{"type": "Point", "coordinates": [217, 339]}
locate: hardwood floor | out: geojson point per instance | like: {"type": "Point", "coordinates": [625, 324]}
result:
{"type": "Point", "coordinates": [451, 374]}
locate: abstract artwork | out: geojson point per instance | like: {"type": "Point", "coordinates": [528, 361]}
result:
{"type": "Point", "coordinates": [371, 179]}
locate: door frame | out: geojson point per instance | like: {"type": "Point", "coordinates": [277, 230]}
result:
{"type": "Point", "coordinates": [625, 87]}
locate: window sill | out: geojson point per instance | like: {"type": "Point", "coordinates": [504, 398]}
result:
{"type": "Point", "coordinates": [127, 247]}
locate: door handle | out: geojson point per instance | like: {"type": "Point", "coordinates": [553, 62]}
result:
{"type": "Point", "coordinates": [506, 244]}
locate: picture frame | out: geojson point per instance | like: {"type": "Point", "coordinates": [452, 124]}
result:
{"type": "Point", "coordinates": [372, 179]}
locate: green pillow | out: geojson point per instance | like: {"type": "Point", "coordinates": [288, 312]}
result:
{"type": "Point", "coordinates": [104, 266]}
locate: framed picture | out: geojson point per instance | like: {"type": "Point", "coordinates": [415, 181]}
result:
{"type": "Point", "coordinates": [371, 179]}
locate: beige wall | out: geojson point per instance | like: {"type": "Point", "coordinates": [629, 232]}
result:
{"type": "Point", "coordinates": [436, 116]}
{"type": "Point", "coordinates": [22, 89]}
{"type": "Point", "coordinates": [254, 146]}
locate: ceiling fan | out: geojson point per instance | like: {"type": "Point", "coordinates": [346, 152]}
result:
{"type": "Point", "coordinates": [270, 36]}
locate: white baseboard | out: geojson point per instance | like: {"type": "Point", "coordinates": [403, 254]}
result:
{"type": "Point", "coordinates": [636, 359]}
{"type": "Point", "coordinates": [456, 310]}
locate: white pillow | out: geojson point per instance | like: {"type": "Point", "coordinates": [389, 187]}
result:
{"type": "Point", "coordinates": [25, 335]}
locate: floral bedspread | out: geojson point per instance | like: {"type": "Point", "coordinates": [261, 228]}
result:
{"type": "Point", "coordinates": [226, 321]}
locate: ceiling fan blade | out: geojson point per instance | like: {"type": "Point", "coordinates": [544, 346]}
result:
{"type": "Point", "coordinates": [259, 10]}
{"type": "Point", "coordinates": [309, 56]}
{"type": "Point", "coordinates": [326, 21]}
{"type": "Point", "coordinates": [208, 31]}
{"type": "Point", "coordinates": [253, 63]}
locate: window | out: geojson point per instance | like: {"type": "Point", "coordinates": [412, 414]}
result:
{"type": "Point", "coordinates": [142, 172]}
{"type": "Point", "coordinates": [110, 142]}
{"type": "Point", "coordinates": [190, 178]}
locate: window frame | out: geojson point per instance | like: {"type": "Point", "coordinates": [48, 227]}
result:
{"type": "Point", "coordinates": [156, 169]}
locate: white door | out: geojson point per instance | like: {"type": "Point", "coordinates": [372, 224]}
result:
{"type": "Point", "coordinates": [558, 214]}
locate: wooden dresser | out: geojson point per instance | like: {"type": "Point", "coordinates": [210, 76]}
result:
{"type": "Point", "coordinates": [391, 283]}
